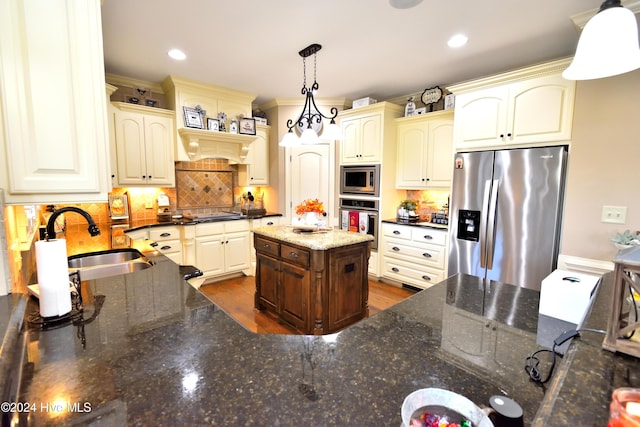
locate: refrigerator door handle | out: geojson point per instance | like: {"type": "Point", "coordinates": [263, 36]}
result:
{"type": "Point", "coordinates": [483, 228]}
{"type": "Point", "coordinates": [491, 224]}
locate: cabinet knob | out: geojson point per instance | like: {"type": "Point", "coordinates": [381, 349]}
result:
{"type": "Point", "coordinates": [144, 176]}
{"type": "Point", "coordinates": [395, 248]}
{"type": "Point", "coordinates": [426, 255]}
{"type": "Point", "coordinates": [427, 179]}
{"type": "Point", "coordinates": [267, 246]}
{"type": "Point", "coordinates": [270, 223]}
{"type": "Point", "coordinates": [509, 134]}
{"type": "Point", "coordinates": [293, 255]}
{"type": "Point", "coordinates": [427, 278]}
{"type": "Point", "coordinates": [502, 136]}
{"type": "Point", "coordinates": [113, 175]}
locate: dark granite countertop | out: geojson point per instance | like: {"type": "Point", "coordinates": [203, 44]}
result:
{"type": "Point", "coordinates": [146, 223]}
{"type": "Point", "coordinates": [152, 350]}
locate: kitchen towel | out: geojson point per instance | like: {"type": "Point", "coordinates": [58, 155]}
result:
{"type": "Point", "coordinates": [344, 223]}
{"type": "Point", "coordinates": [53, 277]}
{"type": "Point", "coordinates": [353, 221]}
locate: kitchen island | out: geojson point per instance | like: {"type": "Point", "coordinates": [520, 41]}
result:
{"type": "Point", "coordinates": [152, 350]}
{"type": "Point", "coordinates": [314, 280]}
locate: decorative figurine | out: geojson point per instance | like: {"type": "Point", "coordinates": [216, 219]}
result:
{"type": "Point", "coordinates": [410, 108]}
{"type": "Point", "coordinates": [222, 117]}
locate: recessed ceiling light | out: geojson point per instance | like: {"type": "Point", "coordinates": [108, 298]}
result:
{"type": "Point", "coordinates": [404, 4]}
{"type": "Point", "coordinates": [458, 40]}
{"type": "Point", "coordinates": [177, 54]}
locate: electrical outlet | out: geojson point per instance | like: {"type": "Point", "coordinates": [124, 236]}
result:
{"type": "Point", "coordinates": [148, 204]}
{"type": "Point", "coordinates": [614, 214]}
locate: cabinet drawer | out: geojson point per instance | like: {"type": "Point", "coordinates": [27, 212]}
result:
{"type": "Point", "coordinates": [164, 233]}
{"type": "Point", "coordinates": [168, 246]}
{"type": "Point", "coordinates": [425, 254]}
{"type": "Point", "coordinates": [429, 235]}
{"type": "Point", "coordinates": [397, 231]}
{"type": "Point", "coordinates": [295, 255]}
{"type": "Point", "coordinates": [412, 274]}
{"type": "Point", "coordinates": [209, 228]}
{"type": "Point", "coordinates": [236, 225]}
{"type": "Point", "coordinates": [267, 246]}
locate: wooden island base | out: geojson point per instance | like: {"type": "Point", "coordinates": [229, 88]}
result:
{"type": "Point", "coordinates": [317, 283]}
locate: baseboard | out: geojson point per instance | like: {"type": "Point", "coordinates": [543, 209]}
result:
{"type": "Point", "coordinates": [584, 265]}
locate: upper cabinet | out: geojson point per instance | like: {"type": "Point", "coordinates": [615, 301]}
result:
{"type": "Point", "coordinates": [195, 144]}
{"type": "Point", "coordinates": [425, 151]}
{"type": "Point", "coordinates": [529, 106]}
{"type": "Point", "coordinates": [144, 144]}
{"type": "Point", "coordinates": [255, 171]}
{"type": "Point", "coordinates": [53, 105]}
{"type": "Point", "coordinates": [365, 130]}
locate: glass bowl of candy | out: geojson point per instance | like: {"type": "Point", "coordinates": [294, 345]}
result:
{"type": "Point", "coordinates": [435, 407]}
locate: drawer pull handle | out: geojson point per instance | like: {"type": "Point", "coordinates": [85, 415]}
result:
{"type": "Point", "coordinates": [165, 248]}
{"type": "Point", "coordinates": [395, 269]}
{"type": "Point", "coordinates": [153, 245]}
{"type": "Point", "coordinates": [270, 223]}
{"type": "Point", "coordinates": [428, 237]}
{"type": "Point", "coordinates": [396, 232]}
{"type": "Point", "coordinates": [427, 255]}
{"type": "Point", "coordinates": [427, 278]}
{"type": "Point", "coordinates": [165, 235]}
{"type": "Point", "coordinates": [293, 255]}
{"type": "Point", "coordinates": [395, 248]}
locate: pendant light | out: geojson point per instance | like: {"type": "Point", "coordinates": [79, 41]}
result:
{"type": "Point", "coordinates": [608, 45]}
{"type": "Point", "coordinates": [310, 120]}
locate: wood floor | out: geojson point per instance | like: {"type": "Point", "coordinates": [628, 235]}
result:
{"type": "Point", "coordinates": [236, 297]}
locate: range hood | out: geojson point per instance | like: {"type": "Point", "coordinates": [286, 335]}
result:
{"type": "Point", "coordinates": [202, 144]}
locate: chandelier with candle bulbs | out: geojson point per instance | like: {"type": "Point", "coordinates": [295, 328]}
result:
{"type": "Point", "coordinates": [310, 120]}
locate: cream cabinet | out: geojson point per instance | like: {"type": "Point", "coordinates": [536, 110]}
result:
{"type": "Point", "coordinates": [425, 151]}
{"type": "Point", "coordinates": [531, 106]}
{"type": "Point", "coordinates": [144, 139]}
{"type": "Point", "coordinates": [168, 241]}
{"type": "Point", "coordinates": [413, 255]}
{"type": "Point", "coordinates": [53, 119]}
{"type": "Point", "coordinates": [365, 130]}
{"type": "Point", "coordinates": [255, 171]}
{"type": "Point", "coordinates": [223, 247]}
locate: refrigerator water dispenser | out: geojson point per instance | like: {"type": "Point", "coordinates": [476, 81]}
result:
{"type": "Point", "coordinates": [469, 225]}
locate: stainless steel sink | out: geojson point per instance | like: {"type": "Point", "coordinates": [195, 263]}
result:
{"type": "Point", "coordinates": [96, 265]}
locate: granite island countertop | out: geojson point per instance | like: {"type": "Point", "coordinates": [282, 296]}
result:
{"type": "Point", "coordinates": [152, 350]}
{"type": "Point", "coordinates": [322, 239]}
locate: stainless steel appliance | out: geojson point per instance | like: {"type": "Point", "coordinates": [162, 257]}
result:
{"type": "Point", "coordinates": [505, 214]}
{"type": "Point", "coordinates": [366, 212]}
{"type": "Point", "coordinates": [362, 180]}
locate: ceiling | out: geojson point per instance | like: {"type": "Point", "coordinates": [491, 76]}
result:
{"type": "Point", "coordinates": [368, 47]}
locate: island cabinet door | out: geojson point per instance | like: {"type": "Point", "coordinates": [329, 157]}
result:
{"type": "Point", "coordinates": [348, 288]}
{"type": "Point", "coordinates": [267, 278]}
{"type": "Point", "coordinates": [294, 297]}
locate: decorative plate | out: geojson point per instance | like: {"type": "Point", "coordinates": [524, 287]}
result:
{"type": "Point", "coordinates": [431, 95]}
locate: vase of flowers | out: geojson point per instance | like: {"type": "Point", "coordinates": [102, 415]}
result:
{"type": "Point", "coordinates": [310, 210]}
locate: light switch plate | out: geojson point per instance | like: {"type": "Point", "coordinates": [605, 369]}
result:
{"type": "Point", "coordinates": [614, 214]}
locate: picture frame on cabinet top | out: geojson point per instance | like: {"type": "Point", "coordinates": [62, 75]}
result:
{"type": "Point", "coordinates": [192, 118]}
{"type": "Point", "coordinates": [213, 124]}
{"type": "Point", "coordinates": [247, 126]}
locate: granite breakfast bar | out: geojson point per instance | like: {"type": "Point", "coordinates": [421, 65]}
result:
{"type": "Point", "coordinates": [152, 350]}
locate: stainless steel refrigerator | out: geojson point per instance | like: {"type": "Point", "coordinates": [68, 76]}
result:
{"type": "Point", "coordinates": [505, 214]}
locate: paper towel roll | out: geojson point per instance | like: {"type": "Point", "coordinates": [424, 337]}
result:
{"type": "Point", "coordinates": [53, 277]}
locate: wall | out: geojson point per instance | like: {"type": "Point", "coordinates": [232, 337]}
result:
{"type": "Point", "coordinates": [603, 166]}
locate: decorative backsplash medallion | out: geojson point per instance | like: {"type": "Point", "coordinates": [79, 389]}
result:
{"type": "Point", "coordinates": [204, 188]}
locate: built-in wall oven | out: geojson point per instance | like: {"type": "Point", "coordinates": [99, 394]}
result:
{"type": "Point", "coordinates": [361, 216]}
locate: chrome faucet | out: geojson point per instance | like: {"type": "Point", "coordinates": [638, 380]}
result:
{"type": "Point", "coordinates": [51, 232]}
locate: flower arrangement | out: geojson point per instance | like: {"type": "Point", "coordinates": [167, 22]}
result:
{"type": "Point", "coordinates": [310, 205]}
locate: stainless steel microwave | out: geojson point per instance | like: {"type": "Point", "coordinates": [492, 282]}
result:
{"type": "Point", "coordinates": [360, 179]}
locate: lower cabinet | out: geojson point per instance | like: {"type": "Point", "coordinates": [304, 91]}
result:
{"type": "Point", "coordinates": [168, 241]}
{"type": "Point", "coordinates": [222, 247]}
{"type": "Point", "coordinates": [314, 291]}
{"type": "Point", "coordinates": [413, 255]}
